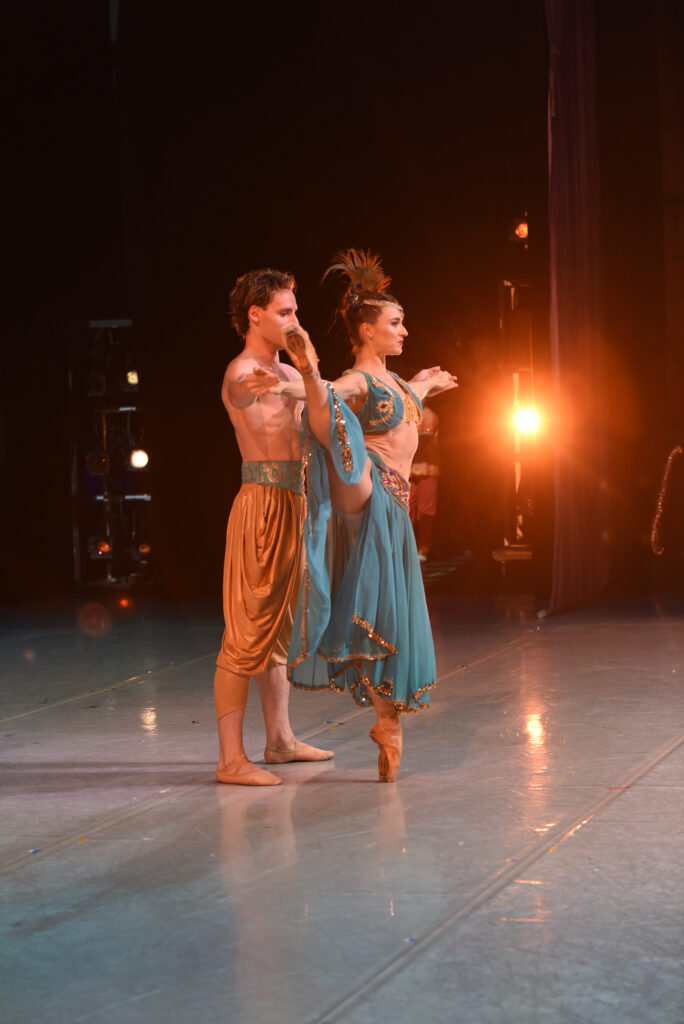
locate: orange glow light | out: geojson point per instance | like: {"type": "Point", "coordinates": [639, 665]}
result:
{"type": "Point", "coordinates": [526, 420]}
{"type": "Point", "coordinates": [94, 619]}
{"type": "Point", "coordinates": [522, 229]}
{"type": "Point", "coordinates": [535, 730]}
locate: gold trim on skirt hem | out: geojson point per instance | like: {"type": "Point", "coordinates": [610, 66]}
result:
{"type": "Point", "coordinates": [372, 634]}
{"type": "Point", "coordinates": [384, 689]}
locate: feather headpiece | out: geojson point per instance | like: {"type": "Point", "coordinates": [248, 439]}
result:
{"type": "Point", "coordinates": [367, 279]}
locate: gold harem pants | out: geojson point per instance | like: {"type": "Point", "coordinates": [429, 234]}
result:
{"type": "Point", "coordinates": [262, 572]}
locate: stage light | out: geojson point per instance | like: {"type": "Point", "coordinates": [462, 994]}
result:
{"type": "Point", "coordinates": [138, 458]}
{"type": "Point", "coordinates": [99, 547]}
{"type": "Point", "coordinates": [130, 380]}
{"type": "Point", "coordinates": [521, 230]}
{"type": "Point", "coordinates": [97, 463]}
{"type": "Point", "coordinates": [526, 420]}
{"type": "Point", "coordinates": [140, 552]}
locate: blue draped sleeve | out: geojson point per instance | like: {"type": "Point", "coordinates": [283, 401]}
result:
{"type": "Point", "coordinates": [349, 457]}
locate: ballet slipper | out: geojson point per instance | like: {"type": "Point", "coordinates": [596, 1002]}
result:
{"type": "Point", "coordinates": [301, 351]}
{"type": "Point", "coordinates": [241, 772]}
{"type": "Point", "coordinates": [390, 741]}
{"type": "Point", "coordinates": [298, 752]}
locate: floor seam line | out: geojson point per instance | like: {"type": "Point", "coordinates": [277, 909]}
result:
{"type": "Point", "coordinates": [62, 844]}
{"type": "Point", "coordinates": [90, 830]}
{"type": "Point", "coordinates": [142, 677]}
{"type": "Point", "coordinates": [315, 730]}
{"type": "Point", "coordinates": [131, 681]}
{"type": "Point", "coordinates": [485, 657]}
{"type": "Point", "coordinates": [499, 881]}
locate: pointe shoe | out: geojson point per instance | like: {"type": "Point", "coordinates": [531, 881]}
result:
{"type": "Point", "coordinates": [390, 742]}
{"type": "Point", "coordinates": [301, 351]}
{"type": "Point", "coordinates": [299, 752]}
{"type": "Point", "coordinates": [242, 772]}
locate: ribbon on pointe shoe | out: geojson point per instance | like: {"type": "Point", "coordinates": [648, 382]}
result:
{"type": "Point", "coordinates": [390, 743]}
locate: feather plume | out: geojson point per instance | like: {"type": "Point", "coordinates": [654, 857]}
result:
{"type": "Point", "coordinates": [363, 270]}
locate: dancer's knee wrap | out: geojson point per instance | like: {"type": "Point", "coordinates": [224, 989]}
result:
{"type": "Point", "coordinates": [230, 691]}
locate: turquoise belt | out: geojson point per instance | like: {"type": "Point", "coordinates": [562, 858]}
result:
{"type": "Point", "coordinates": [286, 474]}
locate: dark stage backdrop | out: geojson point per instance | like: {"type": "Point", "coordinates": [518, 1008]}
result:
{"type": "Point", "coordinates": [614, 338]}
{"type": "Point", "coordinates": [146, 175]}
{"type": "Point", "coordinates": [581, 553]}
{"type": "Point", "coordinates": [641, 92]}
{"type": "Point", "coordinates": [280, 139]}
{"type": "Point", "coordinates": [244, 135]}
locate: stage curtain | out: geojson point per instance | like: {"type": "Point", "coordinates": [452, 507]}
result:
{"type": "Point", "coordinates": [580, 556]}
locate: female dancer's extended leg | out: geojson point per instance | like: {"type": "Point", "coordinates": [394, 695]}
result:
{"type": "Point", "coordinates": [349, 500]}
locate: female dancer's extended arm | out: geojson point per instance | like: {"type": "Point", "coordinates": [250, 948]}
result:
{"type": "Point", "coordinates": [432, 382]}
{"type": "Point", "coordinates": [352, 387]}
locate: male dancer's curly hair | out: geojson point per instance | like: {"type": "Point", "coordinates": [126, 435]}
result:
{"type": "Point", "coordinates": [256, 288]}
{"type": "Point", "coordinates": [366, 292]}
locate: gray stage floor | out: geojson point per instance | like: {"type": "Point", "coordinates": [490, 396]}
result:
{"type": "Point", "coordinates": [526, 866]}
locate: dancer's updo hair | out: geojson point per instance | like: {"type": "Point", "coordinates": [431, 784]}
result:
{"type": "Point", "coordinates": [366, 292]}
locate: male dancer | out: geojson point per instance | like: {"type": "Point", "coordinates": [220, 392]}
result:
{"type": "Point", "coordinates": [264, 548]}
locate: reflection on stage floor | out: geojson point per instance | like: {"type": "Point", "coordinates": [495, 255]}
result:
{"type": "Point", "coordinates": [525, 867]}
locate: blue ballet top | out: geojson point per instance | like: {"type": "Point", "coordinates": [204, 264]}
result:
{"type": "Point", "coordinates": [384, 407]}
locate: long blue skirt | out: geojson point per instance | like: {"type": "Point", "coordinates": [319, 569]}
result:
{"type": "Point", "coordinates": [361, 620]}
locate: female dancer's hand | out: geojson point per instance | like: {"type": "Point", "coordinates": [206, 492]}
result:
{"type": "Point", "coordinates": [261, 382]}
{"type": "Point", "coordinates": [264, 382]}
{"type": "Point", "coordinates": [433, 381]}
{"type": "Point", "coordinates": [422, 374]}
{"type": "Point", "coordinates": [289, 388]}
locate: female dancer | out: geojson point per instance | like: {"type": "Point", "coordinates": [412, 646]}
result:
{"type": "Point", "coordinates": [362, 620]}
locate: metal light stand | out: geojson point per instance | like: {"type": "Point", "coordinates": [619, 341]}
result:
{"type": "Point", "coordinates": [110, 541]}
{"type": "Point", "coordinates": [516, 333]}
